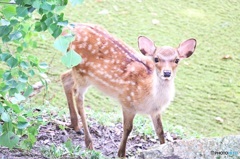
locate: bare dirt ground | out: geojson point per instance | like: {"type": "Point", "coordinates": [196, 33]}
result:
{"type": "Point", "coordinates": [106, 140]}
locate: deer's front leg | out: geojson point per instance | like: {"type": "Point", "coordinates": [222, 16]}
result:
{"type": "Point", "coordinates": [128, 117]}
{"type": "Point", "coordinates": [157, 122]}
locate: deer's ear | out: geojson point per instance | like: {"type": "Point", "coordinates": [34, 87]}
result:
{"type": "Point", "coordinates": [187, 48]}
{"type": "Point", "coordinates": [146, 46]}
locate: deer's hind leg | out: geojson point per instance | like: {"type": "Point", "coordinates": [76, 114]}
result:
{"type": "Point", "coordinates": [68, 83]}
{"type": "Point", "coordinates": [79, 89]}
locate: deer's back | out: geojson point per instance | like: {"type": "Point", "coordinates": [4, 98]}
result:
{"type": "Point", "coordinates": [111, 65]}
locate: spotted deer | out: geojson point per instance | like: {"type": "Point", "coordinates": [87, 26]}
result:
{"type": "Point", "coordinates": [142, 83]}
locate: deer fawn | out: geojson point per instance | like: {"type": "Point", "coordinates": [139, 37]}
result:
{"type": "Point", "coordinates": [142, 83]}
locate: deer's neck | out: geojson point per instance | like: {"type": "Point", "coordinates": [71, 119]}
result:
{"type": "Point", "coordinates": [164, 92]}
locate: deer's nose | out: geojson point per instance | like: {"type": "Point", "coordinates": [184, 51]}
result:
{"type": "Point", "coordinates": [167, 73]}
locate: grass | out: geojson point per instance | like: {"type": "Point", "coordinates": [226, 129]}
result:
{"type": "Point", "coordinates": [68, 150]}
{"type": "Point", "coordinates": [207, 86]}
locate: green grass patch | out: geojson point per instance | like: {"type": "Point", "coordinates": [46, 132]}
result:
{"type": "Point", "coordinates": [68, 150]}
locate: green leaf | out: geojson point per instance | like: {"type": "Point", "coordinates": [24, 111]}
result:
{"type": "Point", "coordinates": [9, 11]}
{"type": "Point", "coordinates": [19, 97]}
{"type": "Point", "coordinates": [4, 22]}
{"type": "Point", "coordinates": [1, 109]}
{"type": "Point", "coordinates": [7, 126]}
{"type": "Point", "coordinates": [15, 35]}
{"type": "Point", "coordinates": [71, 59]}
{"type": "Point", "coordinates": [22, 11]}
{"type": "Point", "coordinates": [20, 2]}
{"type": "Point", "coordinates": [63, 23]}
{"type": "Point", "coordinates": [12, 91]}
{"type": "Point", "coordinates": [22, 125]}
{"type": "Point", "coordinates": [20, 87]}
{"type": "Point", "coordinates": [33, 60]}
{"type": "Point", "coordinates": [1, 72]}
{"type": "Point", "coordinates": [40, 26]}
{"type": "Point", "coordinates": [14, 22]}
{"type": "Point", "coordinates": [76, 2]}
{"type": "Point", "coordinates": [36, 4]}
{"type": "Point", "coordinates": [48, 21]}
{"type": "Point", "coordinates": [29, 2]}
{"type": "Point", "coordinates": [1, 129]}
{"type": "Point", "coordinates": [28, 91]}
{"type": "Point", "coordinates": [5, 88]}
{"type": "Point", "coordinates": [22, 77]}
{"type": "Point", "coordinates": [62, 43]}
{"type": "Point", "coordinates": [14, 107]}
{"type": "Point", "coordinates": [43, 65]}
{"type": "Point", "coordinates": [46, 6]}
{"type": "Point", "coordinates": [5, 39]}
{"type": "Point", "coordinates": [9, 139]}
{"type": "Point", "coordinates": [62, 2]}
{"type": "Point", "coordinates": [5, 30]}
{"type": "Point", "coordinates": [33, 130]}
{"type": "Point", "coordinates": [31, 9]}
{"type": "Point", "coordinates": [12, 62]}
{"type": "Point", "coordinates": [7, 76]}
{"type": "Point", "coordinates": [69, 145]}
{"type": "Point", "coordinates": [22, 119]}
{"type": "Point", "coordinates": [31, 73]}
{"type": "Point", "coordinates": [57, 32]}
{"type": "Point", "coordinates": [24, 65]}
{"type": "Point", "coordinates": [19, 49]}
{"type": "Point", "coordinates": [5, 117]}
{"type": "Point", "coordinates": [5, 56]}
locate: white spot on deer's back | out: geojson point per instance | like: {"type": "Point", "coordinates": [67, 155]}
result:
{"type": "Point", "coordinates": [106, 52]}
{"type": "Point", "coordinates": [129, 98]}
{"type": "Point", "coordinates": [98, 43]}
{"type": "Point", "coordinates": [133, 83]}
{"type": "Point", "coordinates": [78, 38]}
{"type": "Point", "coordinates": [94, 66]}
{"type": "Point", "coordinates": [88, 63]}
{"type": "Point", "coordinates": [121, 82]}
{"type": "Point", "coordinates": [85, 39]}
{"type": "Point", "coordinates": [83, 45]}
{"type": "Point", "coordinates": [106, 61]}
{"type": "Point", "coordinates": [73, 47]}
{"type": "Point", "coordinates": [89, 47]}
{"type": "Point", "coordinates": [132, 68]}
{"type": "Point", "coordinates": [83, 71]}
{"type": "Point", "coordinates": [132, 94]}
{"type": "Point", "coordinates": [93, 51]}
{"type": "Point", "coordinates": [112, 50]}
{"type": "Point", "coordinates": [84, 60]}
{"type": "Point", "coordinates": [112, 61]}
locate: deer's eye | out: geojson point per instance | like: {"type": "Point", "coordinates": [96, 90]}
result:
{"type": "Point", "coordinates": [176, 61]}
{"type": "Point", "coordinates": [156, 59]}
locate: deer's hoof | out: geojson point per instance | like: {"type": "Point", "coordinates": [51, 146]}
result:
{"type": "Point", "coordinates": [80, 132]}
